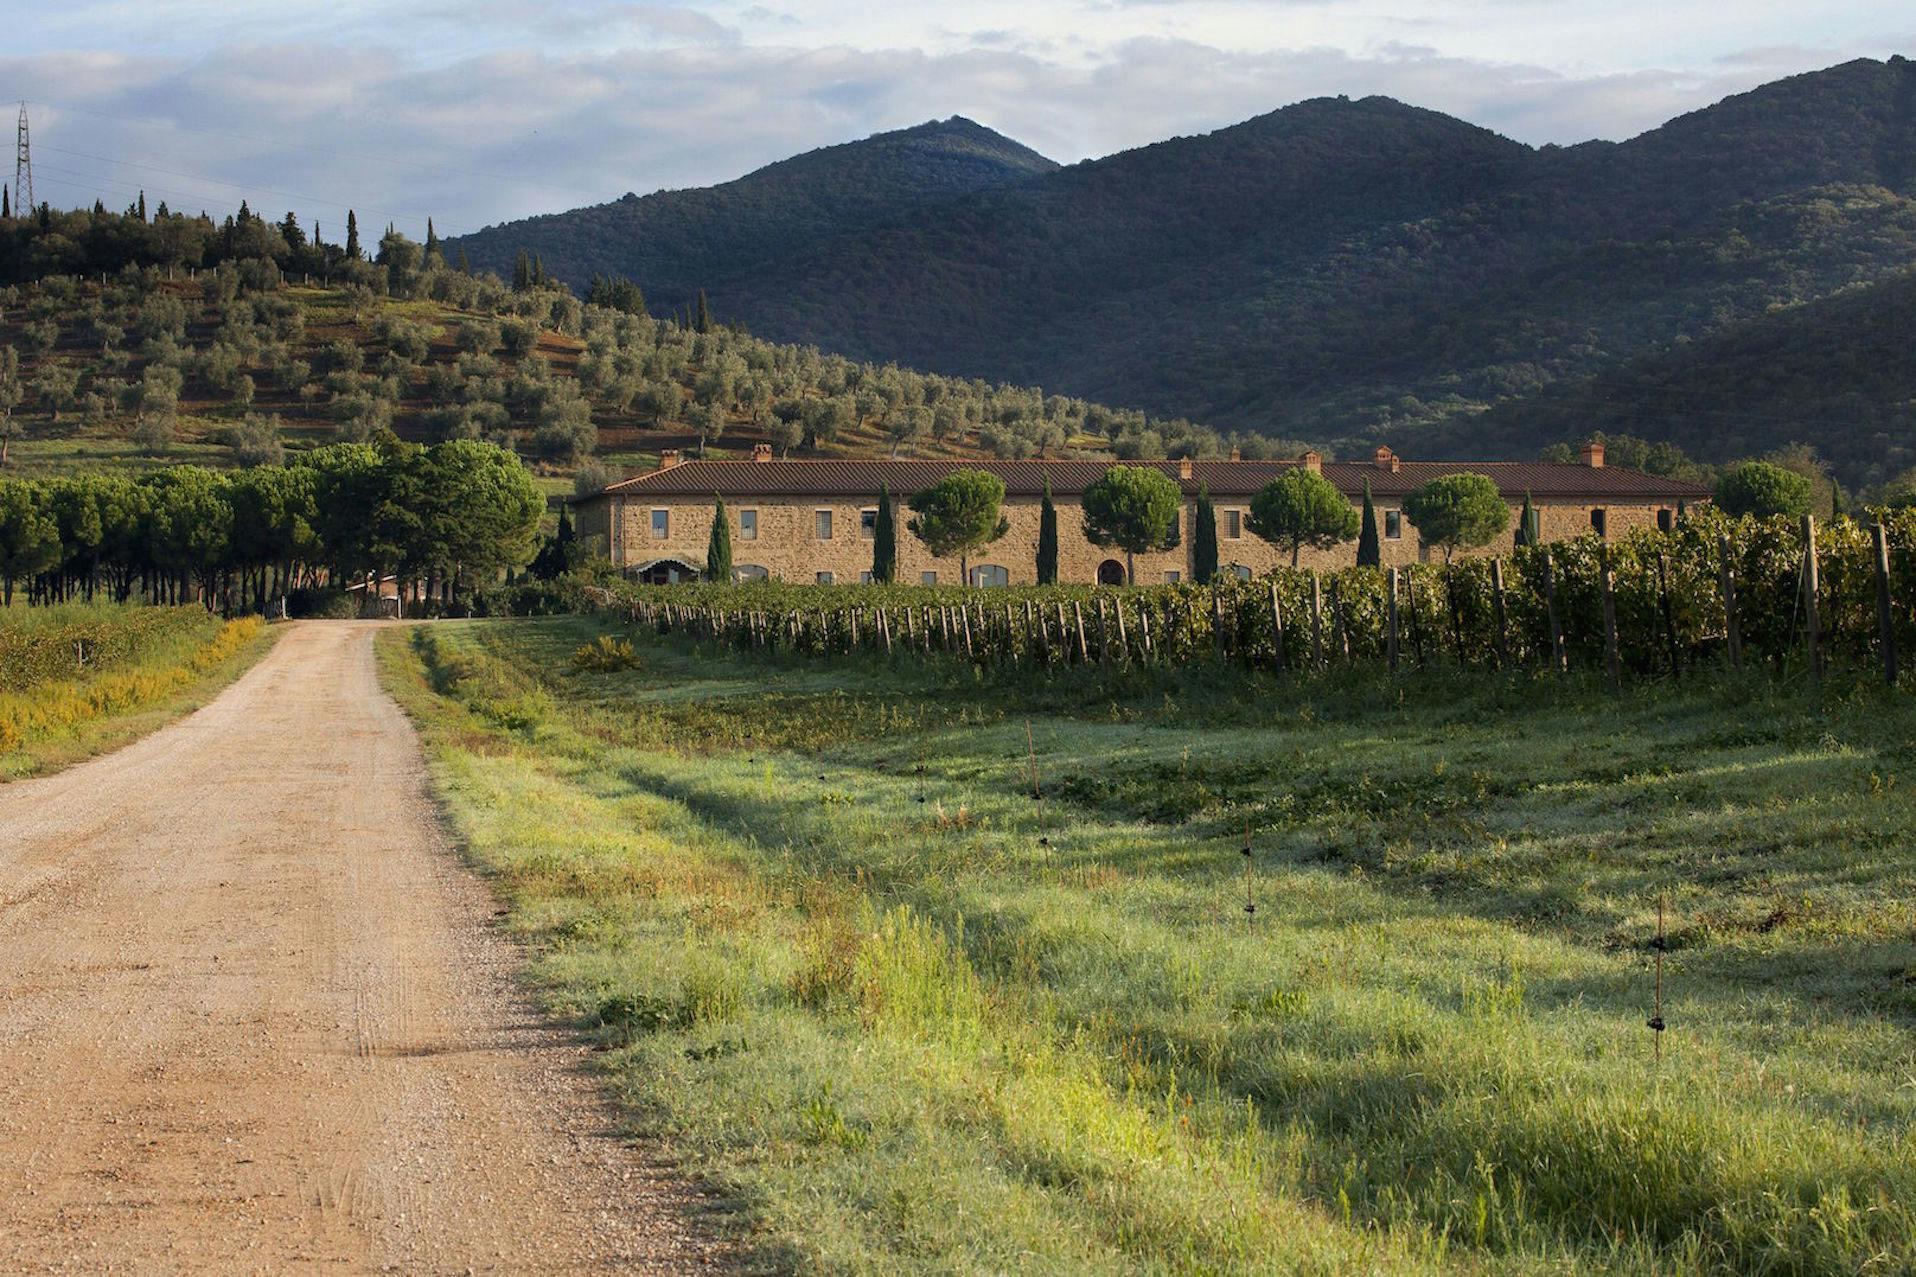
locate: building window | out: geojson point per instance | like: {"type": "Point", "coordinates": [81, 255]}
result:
{"type": "Point", "coordinates": [1173, 577]}
{"type": "Point", "coordinates": [1665, 521]}
{"type": "Point", "coordinates": [1393, 525]}
{"type": "Point", "coordinates": [868, 523]}
{"type": "Point", "coordinates": [661, 524]}
{"type": "Point", "coordinates": [822, 524]}
{"type": "Point", "coordinates": [750, 572]}
{"type": "Point", "coordinates": [826, 578]}
{"type": "Point", "coordinates": [1233, 525]}
{"type": "Point", "coordinates": [748, 525]}
{"type": "Point", "coordinates": [1241, 572]}
{"type": "Point", "coordinates": [1599, 521]}
{"type": "Point", "coordinates": [990, 574]}
{"type": "Point", "coordinates": [927, 578]}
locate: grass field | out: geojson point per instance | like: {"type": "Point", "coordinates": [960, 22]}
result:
{"type": "Point", "coordinates": [142, 668]}
{"type": "Point", "coordinates": [920, 1020]}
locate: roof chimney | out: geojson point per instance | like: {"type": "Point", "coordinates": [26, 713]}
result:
{"type": "Point", "coordinates": [761, 452]}
{"type": "Point", "coordinates": [1237, 453]}
{"type": "Point", "coordinates": [668, 458]}
{"type": "Point", "coordinates": [1593, 455]}
{"type": "Point", "coordinates": [1184, 467]}
{"type": "Point", "coordinates": [1314, 461]}
{"type": "Point", "coordinates": [1383, 457]}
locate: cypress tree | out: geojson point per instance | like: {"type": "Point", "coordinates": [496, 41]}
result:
{"type": "Point", "coordinates": [142, 206]}
{"type": "Point", "coordinates": [718, 551]}
{"type": "Point", "coordinates": [1529, 523]}
{"type": "Point", "coordinates": [1204, 548]}
{"type": "Point", "coordinates": [521, 272]}
{"type": "Point", "coordinates": [352, 235]}
{"type": "Point", "coordinates": [884, 540]}
{"type": "Point", "coordinates": [1047, 538]}
{"type": "Point", "coordinates": [1370, 549]}
{"type": "Point", "coordinates": [702, 321]}
{"type": "Point", "coordinates": [433, 250]}
{"type": "Point", "coordinates": [6, 201]}
{"type": "Point", "coordinates": [465, 265]}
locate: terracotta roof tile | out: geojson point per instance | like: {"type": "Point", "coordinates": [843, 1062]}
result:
{"type": "Point", "coordinates": [860, 478]}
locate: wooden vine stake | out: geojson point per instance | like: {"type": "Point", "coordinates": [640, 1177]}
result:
{"type": "Point", "coordinates": [1655, 1022]}
{"type": "Point", "coordinates": [1317, 622]}
{"type": "Point", "coordinates": [1885, 613]}
{"type": "Point", "coordinates": [1669, 615]}
{"type": "Point", "coordinates": [1612, 662]}
{"type": "Point", "coordinates": [1390, 643]}
{"type": "Point", "coordinates": [1812, 617]}
{"type": "Point", "coordinates": [1250, 882]}
{"type": "Point", "coordinates": [1277, 627]}
{"type": "Point", "coordinates": [1557, 662]}
{"type": "Point", "coordinates": [1031, 752]}
{"type": "Point", "coordinates": [1726, 581]}
{"type": "Point", "coordinates": [1502, 611]}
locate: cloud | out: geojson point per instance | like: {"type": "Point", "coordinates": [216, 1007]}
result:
{"type": "Point", "coordinates": [526, 129]}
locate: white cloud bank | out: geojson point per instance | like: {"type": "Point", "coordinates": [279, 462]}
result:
{"type": "Point", "coordinates": [480, 112]}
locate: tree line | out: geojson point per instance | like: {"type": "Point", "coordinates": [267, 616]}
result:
{"type": "Point", "coordinates": [444, 519]}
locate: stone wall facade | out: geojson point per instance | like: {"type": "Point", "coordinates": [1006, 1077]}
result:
{"type": "Point", "coordinates": [788, 545]}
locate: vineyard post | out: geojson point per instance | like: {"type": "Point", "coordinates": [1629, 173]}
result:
{"type": "Point", "coordinates": [1557, 662]}
{"type": "Point", "coordinates": [1277, 626]}
{"type": "Point", "coordinates": [1612, 665]}
{"type": "Point", "coordinates": [1124, 635]}
{"type": "Point", "coordinates": [1343, 622]}
{"type": "Point", "coordinates": [1503, 615]}
{"type": "Point", "coordinates": [964, 615]}
{"type": "Point", "coordinates": [1317, 622]}
{"type": "Point", "coordinates": [1217, 623]}
{"type": "Point", "coordinates": [1144, 628]}
{"type": "Point", "coordinates": [1084, 649]}
{"type": "Point", "coordinates": [1011, 636]}
{"type": "Point", "coordinates": [1104, 635]}
{"type": "Point", "coordinates": [1391, 607]}
{"type": "Point", "coordinates": [854, 616]}
{"type": "Point", "coordinates": [1669, 614]}
{"type": "Point", "coordinates": [1885, 614]}
{"type": "Point", "coordinates": [944, 624]}
{"type": "Point", "coordinates": [1064, 634]}
{"type": "Point", "coordinates": [1032, 631]}
{"type": "Point", "coordinates": [884, 630]}
{"type": "Point", "coordinates": [1812, 619]}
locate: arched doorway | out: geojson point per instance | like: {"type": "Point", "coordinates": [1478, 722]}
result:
{"type": "Point", "coordinates": [1110, 572]}
{"type": "Point", "coordinates": [667, 572]}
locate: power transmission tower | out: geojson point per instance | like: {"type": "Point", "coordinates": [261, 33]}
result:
{"type": "Point", "coordinates": [23, 169]}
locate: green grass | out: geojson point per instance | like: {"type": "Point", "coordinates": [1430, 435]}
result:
{"type": "Point", "coordinates": [143, 668]}
{"type": "Point", "coordinates": [927, 1023]}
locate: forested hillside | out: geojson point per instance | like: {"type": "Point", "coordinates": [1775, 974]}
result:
{"type": "Point", "coordinates": [176, 339]}
{"type": "Point", "coordinates": [677, 242]}
{"type": "Point", "coordinates": [1338, 268]}
{"type": "Point", "coordinates": [1840, 370]}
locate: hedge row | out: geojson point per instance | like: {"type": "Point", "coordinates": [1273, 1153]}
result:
{"type": "Point", "coordinates": [33, 654]}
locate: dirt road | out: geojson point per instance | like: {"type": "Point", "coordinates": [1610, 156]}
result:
{"type": "Point", "coordinates": [253, 1016]}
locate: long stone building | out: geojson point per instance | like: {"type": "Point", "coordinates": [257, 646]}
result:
{"type": "Point", "coordinates": [813, 520]}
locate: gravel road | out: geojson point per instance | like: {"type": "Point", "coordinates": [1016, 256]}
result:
{"type": "Point", "coordinates": [255, 1016]}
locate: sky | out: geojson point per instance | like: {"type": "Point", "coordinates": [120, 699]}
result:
{"type": "Point", "coordinates": [479, 111]}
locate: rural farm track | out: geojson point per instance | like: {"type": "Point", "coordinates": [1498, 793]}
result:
{"type": "Point", "coordinates": [254, 1015]}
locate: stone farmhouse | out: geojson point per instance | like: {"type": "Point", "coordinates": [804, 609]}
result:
{"type": "Point", "coordinates": [813, 520]}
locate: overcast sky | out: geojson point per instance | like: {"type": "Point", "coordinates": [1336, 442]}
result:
{"type": "Point", "coordinates": [477, 111]}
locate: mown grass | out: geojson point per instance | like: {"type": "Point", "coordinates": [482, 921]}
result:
{"type": "Point", "coordinates": [839, 956]}
{"type": "Point", "coordinates": [173, 662]}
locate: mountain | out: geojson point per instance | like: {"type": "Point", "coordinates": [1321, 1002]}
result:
{"type": "Point", "coordinates": [1841, 370]}
{"type": "Point", "coordinates": [1338, 270]}
{"type": "Point", "coordinates": [676, 242]}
